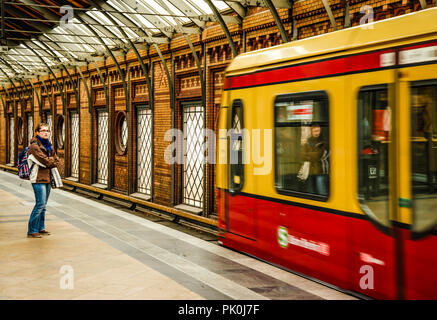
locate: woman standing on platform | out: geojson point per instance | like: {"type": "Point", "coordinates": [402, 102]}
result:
{"type": "Point", "coordinates": [44, 158]}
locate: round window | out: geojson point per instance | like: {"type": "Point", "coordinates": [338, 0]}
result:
{"type": "Point", "coordinates": [60, 132]}
{"type": "Point", "coordinates": [20, 130]}
{"type": "Point", "coordinates": [122, 133]}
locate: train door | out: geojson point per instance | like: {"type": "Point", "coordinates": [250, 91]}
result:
{"type": "Point", "coordinates": [396, 256]}
{"type": "Point", "coordinates": [241, 208]}
{"type": "Point", "coordinates": [373, 243]}
{"type": "Point", "coordinates": [313, 239]}
{"type": "Point", "coordinates": [417, 171]}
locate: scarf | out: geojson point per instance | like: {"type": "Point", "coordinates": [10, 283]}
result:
{"type": "Point", "coordinates": [46, 143]}
{"type": "Point", "coordinates": [312, 141]}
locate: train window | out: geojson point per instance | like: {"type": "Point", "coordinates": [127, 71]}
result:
{"type": "Point", "coordinates": [302, 145]}
{"type": "Point", "coordinates": [373, 140]}
{"type": "Point", "coordinates": [237, 145]}
{"type": "Point", "coordinates": [424, 155]}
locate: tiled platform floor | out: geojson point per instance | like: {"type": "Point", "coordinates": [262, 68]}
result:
{"type": "Point", "coordinates": [112, 254]}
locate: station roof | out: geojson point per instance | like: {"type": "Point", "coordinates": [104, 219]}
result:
{"type": "Point", "coordinates": [38, 35]}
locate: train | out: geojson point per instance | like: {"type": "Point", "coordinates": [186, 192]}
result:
{"type": "Point", "coordinates": [327, 157]}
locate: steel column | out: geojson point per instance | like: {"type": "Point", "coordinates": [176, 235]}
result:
{"type": "Point", "coordinates": [347, 18]}
{"type": "Point", "coordinates": [278, 21]}
{"type": "Point", "coordinates": [35, 92]}
{"type": "Point", "coordinates": [330, 15]}
{"type": "Point", "coordinates": [12, 82]}
{"type": "Point", "coordinates": [50, 99]}
{"type": "Point", "coordinates": [224, 27]}
{"type": "Point", "coordinates": [130, 114]}
{"type": "Point", "coordinates": [3, 101]}
{"type": "Point", "coordinates": [58, 85]}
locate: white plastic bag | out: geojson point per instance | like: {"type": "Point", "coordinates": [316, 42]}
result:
{"type": "Point", "coordinates": [304, 171]}
{"type": "Point", "coordinates": [57, 181]}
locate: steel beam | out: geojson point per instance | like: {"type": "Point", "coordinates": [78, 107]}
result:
{"type": "Point", "coordinates": [199, 68]}
{"type": "Point", "coordinates": [141, 9]}
{"type": "Point", "coordinates": [29, 94]}
{"type": "Point", "coordinates": [190, 13]}
{"type": "Point", "coordinates": [4, 101]}
{"type": "Point", "coordinates": [34, 22]}
{"type": "Point", "coordinates": [14, 86]}
{"type": "Point", "coordinates": [2, 22]}
{"type": "Point", "coordinates": [262, 3]}
{"type": "Point", "coordinates": [330, 15]}
{"type": "Point", "coordinates": [70, 35]}
{"type": "Point", "coordinates": [65, 66]}
{"type": "Point", "coordinates": [87, 90]}
{"type": "Point", "coordinates": [145, 71]}
{"type": "Point", "coordinates": [50, 98]}
{"type": "Point", "coordinates": [113, 58]}
{"type": "Point", "coordinates": [171, 87]}
{"type": "Point", "coordinates": [237, 7]}
{"type": "Point", "coordinates": [278, 21]}
{"type": "Point", "coordinates": [224, 27]}
{"type": "Point", "coordinates": [57, 83]}
{"type": "Point", "coordinates": [347, 18]}
{"type": "Point", "coordinates": [130, 114]}
{"type": "Point", "coordinates": [64, 109]}
{"type": "Point", "coordinates": [79, 9]}
{"type": "Point", "coordinates": [37, 97]}
{"type": "Point", "coordinates": [105, 86]}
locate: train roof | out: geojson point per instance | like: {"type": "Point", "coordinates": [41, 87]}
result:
{"type": "Point", "coordinates": [406, 26]}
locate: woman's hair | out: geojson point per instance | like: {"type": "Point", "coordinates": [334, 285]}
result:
{"type": "Point", "coordinates": [40, 125]}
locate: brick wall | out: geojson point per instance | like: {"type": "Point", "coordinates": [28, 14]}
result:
{"type": "Point", "coordinates": [257, 30]}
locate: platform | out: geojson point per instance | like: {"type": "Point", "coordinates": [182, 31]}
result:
{"type": "Point", "coordinates": [107, 253]}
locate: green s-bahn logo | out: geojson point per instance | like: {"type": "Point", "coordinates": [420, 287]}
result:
{"type": "Point", "coordinates": [283, 237]}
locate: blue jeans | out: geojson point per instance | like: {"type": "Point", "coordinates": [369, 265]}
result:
{"type": "Point", "coordinates": [318, 184]}
{"type": "Point", "coordinates": [38, 215]}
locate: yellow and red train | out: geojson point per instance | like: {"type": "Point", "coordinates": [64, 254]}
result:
{"type": "Point", "coordinates": [327, 157]}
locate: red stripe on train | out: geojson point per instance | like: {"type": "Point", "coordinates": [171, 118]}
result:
{"type": "Point", "coordinates": [307, 71]}
{"type": "Point", "coordinates": [331, 67]}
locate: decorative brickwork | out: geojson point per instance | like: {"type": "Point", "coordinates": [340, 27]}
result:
{"type": "Point", "coordinates": [258, 30]}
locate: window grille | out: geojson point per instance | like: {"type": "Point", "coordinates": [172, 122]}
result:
{"type": "Point", "coordinates": [74, 145]}
{"type": "Point", "coordinates": [11, 140]}
{"type": "Point", "coordinates": [29, 129]}
{"type": "Point", "coordinates": [144, 151]}
{"type": "Point", "coordinates": [193, 155]}
{"type": "Point", "coordinates": [102, 147]}
{"type": "Point", "coordinates": [50, 123]}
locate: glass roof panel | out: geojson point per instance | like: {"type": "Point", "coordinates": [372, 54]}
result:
{"type": "Point", "coordinates": [221, 5]}
{"type": "Point", "coordinates": [202, 5]}
{"type": "Point", "coordinates": [156, 6]}
{"type": "Point", "coordinates": [196, 10]}
{"type": "Point", "coordinates": [179, 13]}
{"type": "Point", "coordinates": [99, 16]}
{"type": "Point", "coordinates": [135, 17]}
{"type": "Point", "coordinates": [128, 31]}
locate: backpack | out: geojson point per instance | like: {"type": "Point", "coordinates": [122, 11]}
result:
{"type": "Point", "coordinates": [23, 167]}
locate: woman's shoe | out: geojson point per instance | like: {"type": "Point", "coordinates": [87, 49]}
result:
{"type": "Point", "coordinates": [34, 235]}
{"type": "Point", "coordinates": [44, 232]}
